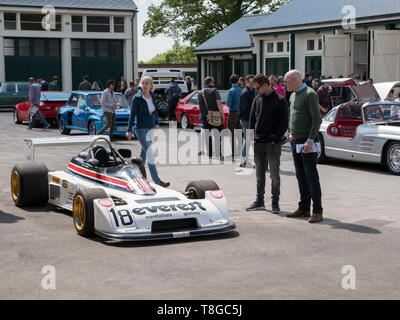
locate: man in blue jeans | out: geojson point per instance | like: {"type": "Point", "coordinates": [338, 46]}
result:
{"type": "Point", "coordinates": [233, 101]}
{"type": "Point", "coordinates": [34, 97]}
{"type": "Point", "coordinates": [305, 122]}
{"type": "Point", "coordinates": [246, 101]}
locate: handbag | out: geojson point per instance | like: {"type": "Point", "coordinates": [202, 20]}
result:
{"type": "Point", "coordinates": [214, 118]}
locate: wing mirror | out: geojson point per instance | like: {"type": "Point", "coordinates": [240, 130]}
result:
{"type": "Point", "coordinates": [126, 153]}
{"type": "Point", "coordinates": [93, 162]}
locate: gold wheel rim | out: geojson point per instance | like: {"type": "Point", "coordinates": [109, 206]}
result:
{"type": "Point", "coordinates": [79, 213]}
{"type": "Point", "coordinates": [193, 191]}
{"type": "Point", "coordinates": [15, 185]}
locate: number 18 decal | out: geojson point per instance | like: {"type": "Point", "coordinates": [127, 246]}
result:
{"type": "Point", "coordinates": [123, 218]}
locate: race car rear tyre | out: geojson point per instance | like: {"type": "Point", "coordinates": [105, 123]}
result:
{"type": "Point", "coordinates": [83, 210]}
{"type": "Point", "coordinates": [29, 184]}
{"type": "Point", "coordinates": [16, 120]}
{"type": "Point", "coordinates": [61, 126]}
{"type": "Point", "coordinates": [392, 158]}
{"type": "Point", "coordinates": [197, 189]}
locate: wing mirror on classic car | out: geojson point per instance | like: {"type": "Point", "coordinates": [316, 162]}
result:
{"type": "Point", "coordinates": [126, 153]}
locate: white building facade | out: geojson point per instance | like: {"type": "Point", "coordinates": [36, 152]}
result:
{"type": "Point", "coordinates": [98, 39]}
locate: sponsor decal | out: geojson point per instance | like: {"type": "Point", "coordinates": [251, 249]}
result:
{"type": "Point", "coordinates": [56, 180]}
{"type": "Point", "coordinates": [192, 206]}
{"type": "Point", "coordinates": [106, 203]}
{"type": "Point", "coordinates": [65, 184]}
{"type": "Point", "coordinates": [181, 234]}
{"type": "Point", "coordinates": [217, 194]}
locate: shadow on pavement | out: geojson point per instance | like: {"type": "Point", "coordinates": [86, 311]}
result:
{"type": "Point", "coordinates": [152, 243]}
{"type": "Point", "coordinates": [359, 166]}
{"type": "Point", "coordinates": [336, 224]}
{"type": "Point", "coordinates": [9, 218]}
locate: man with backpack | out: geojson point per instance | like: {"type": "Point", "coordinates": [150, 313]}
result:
{"type": "Point", "coordinates": [174, 93]}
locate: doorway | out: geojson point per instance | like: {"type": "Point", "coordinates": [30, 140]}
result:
{"type": "Point", "coordinates": [360, 63]}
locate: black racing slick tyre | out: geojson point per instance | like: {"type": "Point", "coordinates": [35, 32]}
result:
{"type": "Point", "coordinates": [197, 189]}
{"type": "Point", "coordinates": [83, 210]}
{"type": "Point", "coordinates": [29, 184]}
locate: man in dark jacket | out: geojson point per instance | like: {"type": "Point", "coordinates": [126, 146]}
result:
{"type": "Point", "coordinates": [173, 93]}
{"type": "Point", "coordinates": [85, 85]}
{"type": "Point", "coordinates": [246, 101]}
{"type": "Point", "coordinates": [269, 119]}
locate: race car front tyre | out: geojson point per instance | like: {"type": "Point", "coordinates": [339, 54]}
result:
{"type": "Point", "coordinates": [197, 189]}
{"type": "Point", "coordinates": [83, 210]}
{"type": "Point", "coordinates": [29, 184]}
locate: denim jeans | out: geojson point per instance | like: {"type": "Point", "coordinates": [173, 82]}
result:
{"type": "Point", "coordinates": [145, 137]}
{"type": "Point", "coordinates": [308, 178]}
{"type": "Point", "coordinates": [33, 119]}
{"type": "Point", "coordinates": [246, 141]}
{"type": "Point", "coordinates": [272, 152]}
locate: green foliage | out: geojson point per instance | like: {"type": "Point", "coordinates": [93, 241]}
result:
{"type": "Point", "coordinates": [179, 54]}
{"type": "Point", "coordinates": [196, 21]}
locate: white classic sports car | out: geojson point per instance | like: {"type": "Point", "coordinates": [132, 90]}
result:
{"type": "Point", "coordinates": [366, 129]}
{"type": "Point", "coordinates": [112, 198]}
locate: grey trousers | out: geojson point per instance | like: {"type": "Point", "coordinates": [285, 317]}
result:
{"type": "Point", "coordinates": [272, 152]}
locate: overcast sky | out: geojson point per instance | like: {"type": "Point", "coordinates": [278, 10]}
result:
{"type": "Point", "coordinates": [149, 47]}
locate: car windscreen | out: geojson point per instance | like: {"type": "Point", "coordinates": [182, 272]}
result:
{"type": "Point", "coordinates": [94, 100]}
{"type": "Point", "coordinates": [120, 100]}
{"type": "Point", "coordinates": [54, 96]}
{"type": "Point", "coordinates": [384, 112]}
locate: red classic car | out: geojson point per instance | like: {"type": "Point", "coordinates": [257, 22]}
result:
{"type": "Point", "coordinates": [50, 101]}
{"type": "Point", "coordinates": [188, 110]}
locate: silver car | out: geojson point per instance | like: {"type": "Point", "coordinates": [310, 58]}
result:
{"type": "Point", "coordinates": [366, 129]}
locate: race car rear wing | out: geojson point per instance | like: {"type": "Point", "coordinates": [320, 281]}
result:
{"type": "Point", "coordinates": [32, 143]}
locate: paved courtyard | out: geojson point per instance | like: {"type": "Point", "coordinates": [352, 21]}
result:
{"type": "Point", "coordinates": [268, 257]}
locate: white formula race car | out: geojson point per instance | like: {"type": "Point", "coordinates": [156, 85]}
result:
{"type": "Point", "coordinates": [112, 198]}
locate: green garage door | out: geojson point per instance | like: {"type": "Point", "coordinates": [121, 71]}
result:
{"type": "Point", "coordinates": [38, 58]}
{"type": "Point", "coordinates": [314, 66]}
{"type": "Point", "coordinates": [277, 66]}
{"type": "Point", "coordinates": [101, 60]}
{"type": "Point", "coordinates": [244, 67]}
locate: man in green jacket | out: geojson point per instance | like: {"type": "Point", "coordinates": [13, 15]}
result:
{"type": "Point", "coordinates": [304, 125]}
{"type": "Point", "coordinates": [54, 85]}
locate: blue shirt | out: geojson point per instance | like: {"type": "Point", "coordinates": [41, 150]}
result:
{"type": "Point", "coordinates": [233, 99]}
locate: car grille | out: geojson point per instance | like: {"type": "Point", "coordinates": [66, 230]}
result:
{"type": "Point", "coordinates": [175, 225]}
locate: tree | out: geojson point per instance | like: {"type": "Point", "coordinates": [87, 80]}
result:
{"type": "Point", "coordinates": [196, 21]}
{"type": "Point", "coordinates": [177, 55]}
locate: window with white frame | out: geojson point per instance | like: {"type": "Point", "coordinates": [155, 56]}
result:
{"type": "Point", "coordinates": [10, 21]}
{"type": "Point", "coordinates": [9, 47]}
{"type": "Point", "coordinates": [310, 45]}
{"type": "Point", "coordinates": [270, 47]}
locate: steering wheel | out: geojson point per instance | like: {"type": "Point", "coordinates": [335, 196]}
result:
{"type": "Point", "coordinates": [109, 144]}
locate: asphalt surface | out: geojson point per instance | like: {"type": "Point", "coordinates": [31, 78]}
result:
{"type": "Point", "coordinates": [268, 257]}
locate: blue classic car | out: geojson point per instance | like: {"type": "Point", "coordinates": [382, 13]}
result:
{"type": "Point", "coordinates": [83, 112]}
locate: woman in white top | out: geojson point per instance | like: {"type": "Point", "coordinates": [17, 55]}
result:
{"type": "Point", "coordinates": [144, 110]}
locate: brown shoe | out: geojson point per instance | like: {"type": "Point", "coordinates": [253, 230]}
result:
{"type": "Point", "coordinates": [299, 214]}
{"type": "Point", "coordinates": [315, 218]}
